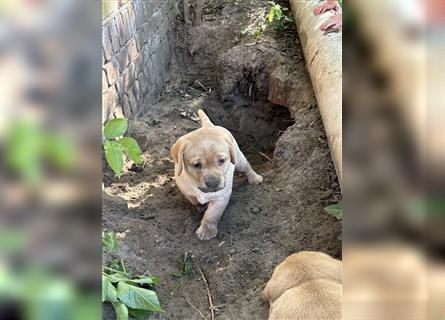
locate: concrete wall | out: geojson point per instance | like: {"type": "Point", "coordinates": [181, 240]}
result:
{"type": "Point", "coordinates": [137, 43]}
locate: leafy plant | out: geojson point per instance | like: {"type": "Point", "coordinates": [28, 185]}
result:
{"type": "Point", "coordinates": [335, 210]}
{"type": "Point", "coordinates": [253, 31]}
{"type": "Point", "coordinates": [277, 18]}
{"type": "Point", "coordinates": [109, 240]}
{"type": "Point", "coordinates": [186, 268]}
{"type": "Point", "coordinates": [115, 145]}
{"type": "Point", "coordinates": [129, 295]}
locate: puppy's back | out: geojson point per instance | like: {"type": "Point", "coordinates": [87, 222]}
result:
{"type": "Point", "coordinates": [312, 300]}
{"type": "Point", "coordinates": [299, 268]}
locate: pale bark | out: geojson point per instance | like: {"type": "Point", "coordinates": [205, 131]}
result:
{"type": "Point", "coordinates": [323, 54]}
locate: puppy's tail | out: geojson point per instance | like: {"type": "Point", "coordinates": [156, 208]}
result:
{"type": "Point", "coordinates": [205, 121]}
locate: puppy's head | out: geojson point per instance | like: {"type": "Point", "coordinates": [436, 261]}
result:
{"type": "Point", "coordinates": [206, 155]}
{"type": "Point", "coordinates": [299, 268]}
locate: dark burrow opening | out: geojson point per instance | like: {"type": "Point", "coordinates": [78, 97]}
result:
{"type": "Point", "coordinates": [256, 127]}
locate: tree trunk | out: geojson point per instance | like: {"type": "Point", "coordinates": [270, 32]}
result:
{"type": "Point", "coordinates": [323, 54]}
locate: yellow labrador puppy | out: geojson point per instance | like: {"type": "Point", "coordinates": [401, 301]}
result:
{"type": "Point", "coordinates": [306, 285]}
{"type": "Point", "coordinates": [312, 300]}
{"type": "Point", "coordinates": [205, 160]}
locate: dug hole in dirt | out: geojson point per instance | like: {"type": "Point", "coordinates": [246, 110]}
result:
{"type": "Point", "coordinates": [259, 89]}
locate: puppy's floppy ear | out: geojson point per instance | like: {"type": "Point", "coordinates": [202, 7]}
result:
{"type": "Point", "coordinates": [232, 145]}
{"type": "Point", "coordinates": [177, 153]}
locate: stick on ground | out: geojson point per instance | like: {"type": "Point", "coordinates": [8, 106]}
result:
{"type": "Point", "coordinates": [195, 307]}
{"type": "Point", "coordinates": [201, 85]}
{"type": "Point", "coordinates": [266, 156]}
{"type": "Point", "coordinates": [209, 295]}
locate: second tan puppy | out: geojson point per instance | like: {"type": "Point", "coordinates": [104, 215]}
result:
{"type": "Point", "coordinates": [205, 160]}
{"type": "Point", "coordinates": [306, 285]}
{"type": "Point", "coordinates": [312, 300]}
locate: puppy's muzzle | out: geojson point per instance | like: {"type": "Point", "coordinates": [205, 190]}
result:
{"type": "Point", "coordinates": [212, 184]}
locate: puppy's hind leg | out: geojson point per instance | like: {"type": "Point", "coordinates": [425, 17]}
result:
{"type": "Point", "coordinates": [243, 165]}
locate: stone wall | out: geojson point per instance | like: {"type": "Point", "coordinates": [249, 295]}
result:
{"type": "Point", "coordinates": [137, 45]}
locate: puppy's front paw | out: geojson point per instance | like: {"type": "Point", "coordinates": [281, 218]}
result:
{"type": "Point", "coordinates": [206, 232]}
{"type": "Point", "coordinates": [254, 178]}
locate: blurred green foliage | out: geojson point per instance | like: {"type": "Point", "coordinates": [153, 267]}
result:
{"type": "Point", "coordinates": [37, 293]}
{"type": "Point", "coordinates": [42, 295]}
{"type": "Point", "coordinates": [29, 148]}
{"type": "Point", "coordinates": [427, 207]}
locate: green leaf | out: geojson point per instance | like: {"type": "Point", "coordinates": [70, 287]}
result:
{"type": "Point", "coordinates": [121, 310]}
{"type": "Point", "coordinates": [145, 280]}
{"type": "Point", "coordinates": [109, 292]}
{"type": "Point", "coordinates": [271, 15]}
{"type": "Point", "coordinates": [139, 314]}
{"type": "Point", "coordinates": [109, 241]}
{"type": "Point", "coordinates": [335, 210]}
{"type": "Point", "coordinates": [187, 268]}
{"type": "Point", "coordinates": [138, 298]}
{"type": "Point", "coordinates": [278, 13]}
{"type": "Point", "coordinates": [118, 264]}
{"type": "Point", "coordinates": [132, 149]}
{"type": "Point", "coordinates": [113, 154]}
{"type": "Point", "coordinates": [117, 277]}
{"type": "Point", "coordinates": [105, 283]}
{"type": "Point", "coordinates": [115, 128]}
{"type": "Point", "coordinates": [177, 274]}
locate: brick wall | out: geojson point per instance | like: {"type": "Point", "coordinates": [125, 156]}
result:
{"type": "Point", "coordinates": [137, 47]}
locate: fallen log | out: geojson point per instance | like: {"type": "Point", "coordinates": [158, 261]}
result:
{"type": "Point", "coordinates": [323, 55]}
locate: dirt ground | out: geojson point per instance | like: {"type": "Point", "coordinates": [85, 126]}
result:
{"type": "Point", "coordinates": [262, 224]}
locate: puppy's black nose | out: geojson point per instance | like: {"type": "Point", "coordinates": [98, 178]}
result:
{"type": "Point", "coordinates": [212, 181]}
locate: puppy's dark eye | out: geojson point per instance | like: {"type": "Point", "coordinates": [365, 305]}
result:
{"type": "Point", "coordinates": [197, 165]}
{"type": "Point", "coordinates": [221, 161]}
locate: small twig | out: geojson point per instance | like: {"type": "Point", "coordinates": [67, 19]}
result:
{"type": "Point", "coordinates": [253, 43]}
{"type": "Point", "coordinates": [250, 90]}
{"type": "Point", "coordinates": [179, 286]}
{"type": "Point", "coordinates": [208, 4]}
{"type": "Point", "coordinates": [312, 123]}
{"type": "Point", "coordinates": [209, 295]}
{"type": "Point", "coordinates": [194, 307]}
{"type": "Point", "coordinates": [201, 85]}
{"type": "Point", "coordinates": [185, 4]}
{"type": "Point", "coordinates": [266, 156]}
